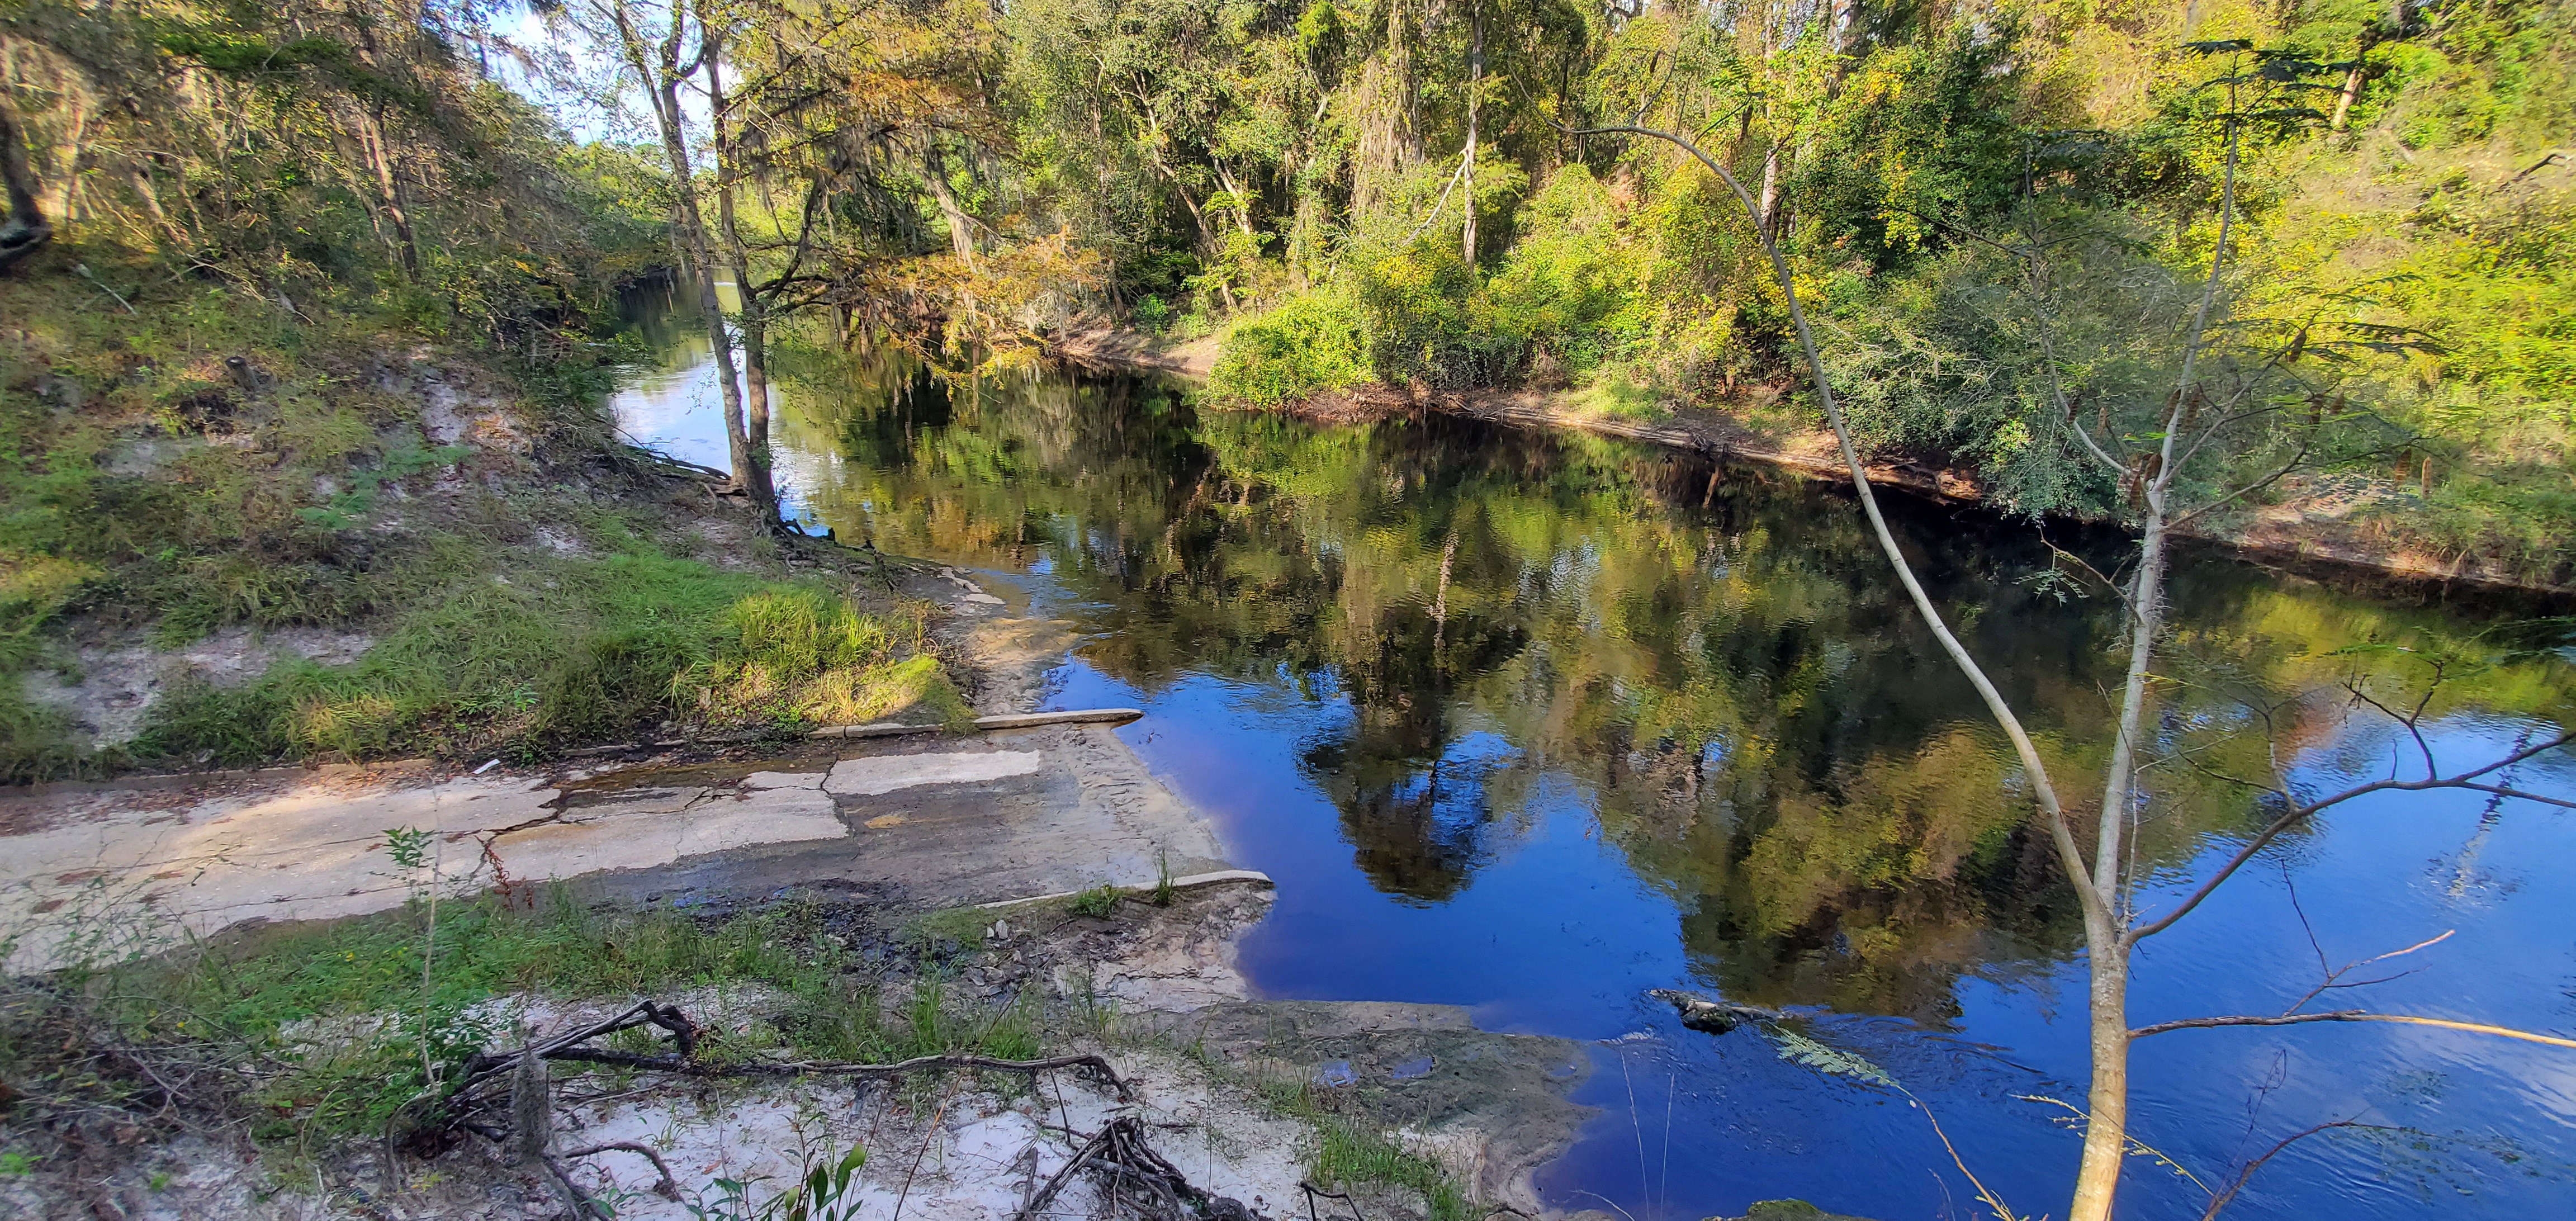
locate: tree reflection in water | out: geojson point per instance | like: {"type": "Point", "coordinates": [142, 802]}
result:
{"type": "Point", "coordinates": [1712, 653]}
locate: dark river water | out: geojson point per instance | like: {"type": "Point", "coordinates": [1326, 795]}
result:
{"type": "Point", "coordinates": [1532, 724]}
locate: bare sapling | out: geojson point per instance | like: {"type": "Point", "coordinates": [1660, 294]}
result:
{"type": "Point", "coordinates": [2200, 422]}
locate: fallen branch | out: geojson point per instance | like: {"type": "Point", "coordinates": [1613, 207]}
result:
{"type": "Point", "coordinates": [1313, 1191]}
{"type": "Point", "coordinates": [2223, 1199]}
{"type": "Point", "coordinates": [1081, 1157]}
{"type": "Point", "coordinates": [583, 1207]}
{"type": "Point", "coordinates": [483, 1066]}
{"type": "Point", "coordinates": [837, 1068]}
{"type": "Point", "coordinates": [2351, 1015]}
{"type": "Point", "coordinates": [668, 1188]}
{"type": "Point", "coordinates": [1119, 1152]}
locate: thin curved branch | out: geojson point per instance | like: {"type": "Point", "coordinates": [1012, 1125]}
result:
{"type": "Point", "coordinates": [2501, 791]}
{"type": "Point", "coordinates": [2251, 488]}
{"type": "Point", "coordinates": [2222, 1199]}
{"type": "Point", "coordinates": [2414, 726]}
{"type": "Point", "coordinates": [2351, 1015]}
{"type": "Point", "coordinates": [2465, 780]}
{"type": "Point", "coordinates": [2043, 790]}
{"type": "Point", "coordinates": [668, 1188]}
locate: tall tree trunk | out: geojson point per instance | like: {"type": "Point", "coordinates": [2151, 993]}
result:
{"type": "Point", "coordinates": [75, 150]}
{"type": "Point", "coordinates": [2106, 1103]}
{"type": "Point", "coordinates": [961, 232]}
{"type": "Point", "coordinates": [26, 229]}
{"type": "Point", "coordinates": [1769, 219]}
{"type": "Point", "coordinates": [1475, 109]}
{"type": "Point", "coordinates": [1198, 217]}
{"type": "Point", "coordinates": [755, 307]}
{"type": "Point", "coordinates": [1400, 46]}
{"type": "Point", "coordinates": [371, 139]}
{"type": "Point", "coordinates": [1240, 194]}
{"type": "Point", "coordinates": [661, 80]}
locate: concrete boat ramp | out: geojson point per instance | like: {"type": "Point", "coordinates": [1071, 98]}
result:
{"type": "Point", "coordinates": [920, 821]}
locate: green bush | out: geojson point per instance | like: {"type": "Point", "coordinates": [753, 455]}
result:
{"type": "Point", "coordinates": [1309, 345]}
{"type": "Point", "coordinates": [1428, 318]}
{"type": "Point", "coordinates": [1572, 284]}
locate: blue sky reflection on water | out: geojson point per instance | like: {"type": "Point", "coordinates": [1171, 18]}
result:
{"type": "Point", "coordinates": [1556, 934]}
{"type": "Point", "coordinates": [1430, 847]}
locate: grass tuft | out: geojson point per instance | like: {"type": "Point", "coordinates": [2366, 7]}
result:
{"type": "Point", "coordinates": [1099, 902]}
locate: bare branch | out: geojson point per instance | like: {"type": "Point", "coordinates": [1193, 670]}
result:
{"type": "Point", "coordinates": [2090, 890]}
{"type": "Point", "coordinates": [2251, 488]}
{"type": "Point", "coordinates": [2224, 1198]}
{"type": "Point", "coordinates": [2465, 780]}
{"type": "Point", "coordinates": [2350, 1015]}
{"type": "Point", "coordinates": [668, 1188]}
{"type": "Point", "coordinates": [2526, 795]}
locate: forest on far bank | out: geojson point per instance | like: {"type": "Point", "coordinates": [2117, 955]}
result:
{"type": "Point", "coordinates": [1398, 195]}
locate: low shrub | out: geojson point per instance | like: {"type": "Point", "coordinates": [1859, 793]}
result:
{"type": "Point", "coordinates": [1311, 344]}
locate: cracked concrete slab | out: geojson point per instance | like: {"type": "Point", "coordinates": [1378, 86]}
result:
{"type": "Point", "coordinates": [885, 774]}
{"type": "Point", "coordinates": [931, 821]}
{"type": "Point", "coordinates": [942, 823]}
{"type": "Point", "coordinates": [937, 821]}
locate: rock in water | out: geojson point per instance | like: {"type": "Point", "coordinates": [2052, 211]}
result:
{"type": "Point", "coordinates": [1787, 1210]}
{"type": "Point", "coordinates": [1714, 1017]}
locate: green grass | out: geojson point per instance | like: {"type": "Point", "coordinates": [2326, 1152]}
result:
{"type": "Point", "coordinates": [149, 487]}
{"type": "Point", "coordinates": [359, 983]}
{"type": "Point", "coordinates": [1098, 902]}
{"type": "Point", "coordinates": [1351, 1152]}
{"type": "Point", "coordinates": [1349, 1149]}
{"type": "Point", "coordinates": [548, 651]}
{"type": "Point", "coordinates": [946, 932]}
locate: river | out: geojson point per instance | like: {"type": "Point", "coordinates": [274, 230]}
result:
{"type": "Point", "coordinates": [1533, 723]}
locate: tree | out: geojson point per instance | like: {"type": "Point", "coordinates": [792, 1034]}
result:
{"type": "Point", "coordinates": [660, 72]}
{"type": "Point", "coordinates": [2230, 405]}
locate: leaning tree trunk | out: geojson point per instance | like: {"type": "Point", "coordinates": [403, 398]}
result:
{"type": "Point", "coordinates": [663, 87]}
{"type": "Point", "coordinates": [755, 310]}
{"type": "Point", "coordinates": [961, 231]}
{"type": "Point", "coordinates": [371, 138]}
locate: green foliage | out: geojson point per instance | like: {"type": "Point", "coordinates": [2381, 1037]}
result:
{"type": "Point", "coordinates": [1428, 318]}
{"type": "Point", "coordinates": [1799, 1049]}
{"type": "Point", "coordinates": [1574, 280]}
{"type": "Point", "coordinates": [1352, 1152]}
{"type": "Point", "coordinates": [1310, 345]}
{"type": "Point", "coordinates": [825, 1193]}
{"type": "Point", "coordinates": [1098, 902]}
{"type": "Point", "coordinates": [2393, 206]}
{"type": "Point", "coordinates": [1922, 131]}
